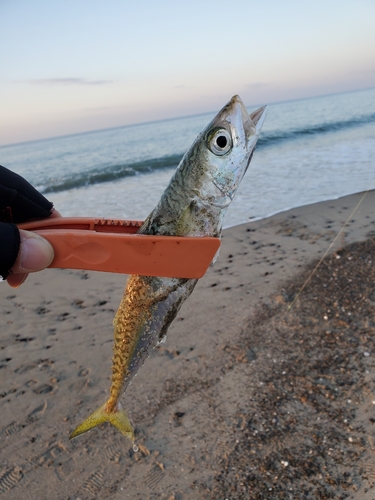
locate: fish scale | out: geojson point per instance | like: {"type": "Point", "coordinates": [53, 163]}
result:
{"type": "Point", "coordinates": [193, 204]}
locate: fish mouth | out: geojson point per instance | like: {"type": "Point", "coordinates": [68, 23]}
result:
{"type": "Point", "coordinates": [251, 124]}
{"type": "Point", "coordinates": [257, 117]}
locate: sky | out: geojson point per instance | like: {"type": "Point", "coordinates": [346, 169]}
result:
{"type": "Point", "coordinates": [69, 66]}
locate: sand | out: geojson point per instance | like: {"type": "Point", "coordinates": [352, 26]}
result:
{"type": "Point", "coordinates": [247, 399]}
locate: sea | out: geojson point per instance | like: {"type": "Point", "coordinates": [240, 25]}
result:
{"type": "Point", "coordinates": [309, 150]}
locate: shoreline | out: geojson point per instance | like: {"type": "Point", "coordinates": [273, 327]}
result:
{"type": "Point", "coordinates": [201, 396]}
{"type": "Point", "coordinates": [289, 209]}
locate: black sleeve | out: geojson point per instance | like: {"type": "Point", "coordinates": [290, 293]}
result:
{"type": "Point", "coordinates": [9, 247]}
{"type": "Point", "coordinates": [19, 202]}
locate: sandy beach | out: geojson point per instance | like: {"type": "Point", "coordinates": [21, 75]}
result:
{"type": "Point", "coordinates": [259, 392]}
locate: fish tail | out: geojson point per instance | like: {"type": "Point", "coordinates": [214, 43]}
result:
{"type": "Point", "coordinates": [118, 419]}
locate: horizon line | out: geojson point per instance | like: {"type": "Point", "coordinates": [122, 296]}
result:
{"type": "Point", "coordinates": [94, 131]}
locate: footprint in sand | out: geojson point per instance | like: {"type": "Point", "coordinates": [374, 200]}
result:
{"type": "Point", "coordinates": [10, 478]}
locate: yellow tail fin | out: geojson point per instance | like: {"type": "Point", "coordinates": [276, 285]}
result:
{"type": "Point", "coordinates": [118, 419]}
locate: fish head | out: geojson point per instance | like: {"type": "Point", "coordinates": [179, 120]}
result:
{"type": "Point", "coordinates": [229, 141]}
{"type": "Point", "coordinates": [208, 176]}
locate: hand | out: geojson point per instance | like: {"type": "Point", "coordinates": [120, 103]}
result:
{"type": "Point", "coordinates": [21, 251]}
{"type": "Point", "coordinates": [35, 254]}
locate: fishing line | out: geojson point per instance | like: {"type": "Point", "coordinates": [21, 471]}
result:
{"type": "Point", "coordinates": [327, 251]}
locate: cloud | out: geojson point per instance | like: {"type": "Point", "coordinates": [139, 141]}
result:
{"type": "Point", "coordinates": [69, 81]}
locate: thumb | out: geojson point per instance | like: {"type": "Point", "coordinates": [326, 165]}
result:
{"type": "Point", "coordinates": [35, 253]}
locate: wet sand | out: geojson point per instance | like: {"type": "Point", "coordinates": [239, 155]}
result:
{"type": "Point", "coordinates": [249, 398]}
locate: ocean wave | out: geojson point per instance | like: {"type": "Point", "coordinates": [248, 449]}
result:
{"type": "Point", "coordinates": [271, 139]}
{"type": "Point", "coordinates": [111, 173]}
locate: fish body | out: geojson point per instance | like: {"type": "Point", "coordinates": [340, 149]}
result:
{"type": "Point", "coordinates": [193, 204]}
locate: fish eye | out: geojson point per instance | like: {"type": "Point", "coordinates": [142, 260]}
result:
{"type": "Point", "coordinates": [220, 142]}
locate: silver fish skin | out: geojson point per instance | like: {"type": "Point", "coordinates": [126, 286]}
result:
{"type": "Point", "coordinates": [208, 176]}
{"type": "Point", "coordinates": [194, 204]}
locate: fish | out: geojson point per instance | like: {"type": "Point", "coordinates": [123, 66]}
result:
{"type": "Point", "coordinates": [193, 204]}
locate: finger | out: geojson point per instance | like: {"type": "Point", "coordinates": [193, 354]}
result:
{"type": "Point", "coordinates": [16, 280]}
{"type": "Point", "coordinates": [55, 213]}
{"type": "Point", "coordinates": [35, 253]}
